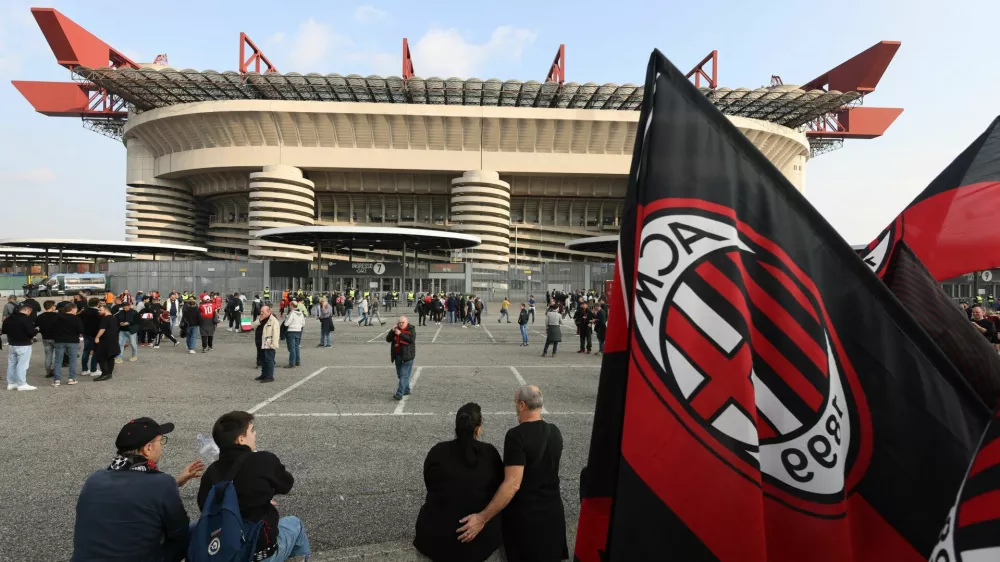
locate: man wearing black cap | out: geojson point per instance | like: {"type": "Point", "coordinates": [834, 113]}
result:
{"type": "Point", "coordinates": [131, 510]}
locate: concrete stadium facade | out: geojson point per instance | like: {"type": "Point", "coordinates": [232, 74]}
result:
{"type": "Point", "coordinates": [525, 180]}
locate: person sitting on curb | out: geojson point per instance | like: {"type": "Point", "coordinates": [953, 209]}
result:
{"type": "Point", "coordinates": [130, 510]}
{"type": "Point", "coordinates": [257, 481]}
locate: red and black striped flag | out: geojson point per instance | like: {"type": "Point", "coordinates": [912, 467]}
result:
{"type": "Point", "coordinates": [971, 532]}
{"type": "Point", "coordinates": [764, 396]}
{"type": "Point", "coordinates": [947, 231]}
{"type": "Point", "coordinates": [951, 225]}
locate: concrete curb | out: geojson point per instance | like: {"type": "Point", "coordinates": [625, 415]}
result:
{"type": "Point", "coordinates": [393, 551]}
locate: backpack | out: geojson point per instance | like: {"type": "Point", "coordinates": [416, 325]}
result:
{"type": "Point", "coordinates": [221, 534]}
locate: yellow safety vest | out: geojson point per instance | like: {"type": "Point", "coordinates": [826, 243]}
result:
{"type": "Point", "coordinates": [366, 294]}
{"type": "Point", "coordinates": [409, 295]}
{"type": "Point", "coordinates": [267, 294]}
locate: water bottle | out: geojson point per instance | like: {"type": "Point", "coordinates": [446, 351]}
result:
{"type": "Point", "coordinates": [207, 449]}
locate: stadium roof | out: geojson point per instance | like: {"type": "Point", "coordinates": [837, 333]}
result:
{"type": "Point", "coordinates": [128, 247]}
{"type": "Point", "coordinates": [599, 244]}
{"type": "Point", "coordinates": [149, 88]}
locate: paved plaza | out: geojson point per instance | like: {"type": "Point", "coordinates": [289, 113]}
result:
{"type": "Point", "coordinates": [356, 454]}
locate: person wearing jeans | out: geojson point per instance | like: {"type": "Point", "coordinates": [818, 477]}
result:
{"type": "Point", "coordinates": [19, 331]}
{"type": "Point", "coordinates": [403, 338]}
{"type": "Point", "coordinates": [46, 327]}
{"type": "Point", "coordinates": [68, 330]}
{"type": "Point", "coordinates": [128, 327]}
{"type": "Point", "coordinates": [522, 322]}
{"type": "Point", "coordinates": [325, 322]}
{"type": "Point", "coordinates": [295, 321]}
{"type": "Point", "coordinates": [553, 330]}
{"type": "Point", "coordinates": [267, 333]}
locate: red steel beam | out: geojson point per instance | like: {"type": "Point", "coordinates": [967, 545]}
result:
{"type": "Point", "coordinates": [407, 61]}
{"type": "Point", "coordinates": [557, 72]}
{"type": "Point", "coordinates": [256, 57]}
{"type": "Point", "coordinates": [699, 71]}
{"type": "Point", "coordinates": [855, 123]}
{"type": "Point", "coordinates": [75, 46]}
{"type": "Point", "coordinates": [860, 73]}
{"type": "Point", "coordinates": [71, 99]}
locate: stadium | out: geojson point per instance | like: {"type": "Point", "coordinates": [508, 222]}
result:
{"type": "Point", "coordinates": [526, 166]}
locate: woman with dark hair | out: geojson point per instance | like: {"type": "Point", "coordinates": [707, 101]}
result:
{"type": "Point", "coordinates": [106, 346]}
{"type": "Point", "coordinates": [461, 476]}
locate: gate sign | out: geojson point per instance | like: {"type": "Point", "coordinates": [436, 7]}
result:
{"type": "Point", "coordinates": [365, 268]}
{"type": "Point", "coordinates": [987, 275]}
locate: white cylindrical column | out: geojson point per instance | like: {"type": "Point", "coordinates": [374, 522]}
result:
{"type": "Point", "coordinates": [280, 197]}
{"type": "Point", "coordinates": [480, 205]}
{"type": "Point", "coordinates": [156, 209]}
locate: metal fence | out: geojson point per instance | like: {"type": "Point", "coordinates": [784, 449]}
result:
{"type": "Point", "coordinates": [517, 282]}
{"type": "Point", "coordinates": [194, 275]}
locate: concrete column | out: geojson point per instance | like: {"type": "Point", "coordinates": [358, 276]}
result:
{"type": "Point", "coordinates": [280, 197]}
{"type": "Point", "coordinates": [156, 209]}
{"type": "Point", "coordinates": [480, 205]}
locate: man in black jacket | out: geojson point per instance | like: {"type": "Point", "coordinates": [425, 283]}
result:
{"type": "Point", "coordinates": [46, 323]}
{"type": "Point", "coordinates": [257, 481]}
{"type": "Point", "coordinates": [403, 338]}
{"type": "Point", "coordinates": [91, 320]}
{"type": "Point", "coordinates": [600, 326]}
{"type": "Point", "coordinates": [19, 331]}
{"type": "Point", "coordinates": [584, 318]}
{"type": "Point", "coordinates": [67, 331]}
{"type": "Point", "coordinates": [128, 328]}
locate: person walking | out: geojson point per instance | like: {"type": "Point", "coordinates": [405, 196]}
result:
{"type": "Point", "coordinates": [373, 313]}
{"type": "Point", "coordinates": [106, 346]}
{"type": "Point", "coordinates": [403, 351]}
{"type": "Point", "coordinates": [553, 330]}
{"type": "Point", "coordinates": [267, 336]}
{"type": "Point", "coordinates": [164, 325]}
{"type": "Point", "coordinates": [363, 312]}
{"type": "Point", "coordinates": [503, 310]}
{"type": "Point", "coordinates": [348, 308]}
{"type": "Point", "coordinates": [68, 330]}
{"type": "Point", "coordinates": [19, 331]}
{"type": "Point", "coordinates": [174, 308]}
{"type": "Point", "coordinates": [234, 309]}
{"type": "Point", "coordinates": [255, 308]}
{"type": "Point", "coordinates": [531, 307]}
{"type": "Point", "coordinates": [534, 521]}
{"type": "Point", "coordinates": [128, 327]}
{"type": "Point", "coordinates": [325, 322]}
{"type": "Point", "coordinates": [461, 477]}
{"type": "Point", "coordinates": [295, 321]}
{"type": "Point", "coordinates": [522, 323]}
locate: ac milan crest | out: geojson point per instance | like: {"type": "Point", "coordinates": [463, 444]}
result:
{"type": "Point", "coordinates": [740, 338]}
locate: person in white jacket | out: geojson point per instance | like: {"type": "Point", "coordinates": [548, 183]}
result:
{"type": "Point", "coordinates": [295, 321]}
{"type": "Point", "coordinates": [363, 312]}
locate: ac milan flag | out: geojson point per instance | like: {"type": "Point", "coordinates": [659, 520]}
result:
{"type": "Point", "coordinates": [971, 532]}
{"type": "Point", "coordinates": [946, 231]}
{"type": "Point", "coordinates": [764, 397]}
{"type": "Point", "coordinates": [951, 225]}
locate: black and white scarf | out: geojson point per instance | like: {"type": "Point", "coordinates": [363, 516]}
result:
{"type": "Point", "coordinates": [137, 463]}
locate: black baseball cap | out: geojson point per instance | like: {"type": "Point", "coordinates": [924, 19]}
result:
{"type": "Point", "coordinates": [136, 433]}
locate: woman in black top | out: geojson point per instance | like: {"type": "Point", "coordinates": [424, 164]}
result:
{"type": "Point", "coordinates": [461, 477]}
{"type": "Point", "coordinates": [106, 345]}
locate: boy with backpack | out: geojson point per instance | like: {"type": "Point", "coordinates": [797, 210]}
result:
{"type": "Point", "coordinates": [249, 478]}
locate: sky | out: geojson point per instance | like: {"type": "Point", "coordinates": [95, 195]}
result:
{"type": "Point", "coordinates": [69, 182]}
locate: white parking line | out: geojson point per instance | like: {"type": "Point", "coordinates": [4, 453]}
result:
{"type": "Point", "coordinates": [286, 391]}
{"type": "Point", "coordinates": [382, 335]}
{"type": "Point", "coordinates": [393, 414]}
{"type": "Point", "coordinates": [522, 382]}
{"type": "Point", "coordinates": [413, 383]}
{"type": "Point", "coordinates": [489, 334]}
{"type": "Point", "coordinates": [436, 333]}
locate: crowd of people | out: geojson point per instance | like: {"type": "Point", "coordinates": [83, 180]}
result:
{"type": "Point", "coordinates": [479, 506]}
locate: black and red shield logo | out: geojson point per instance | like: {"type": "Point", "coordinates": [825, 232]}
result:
{"type": "Point", "coordinates": [751, 365]}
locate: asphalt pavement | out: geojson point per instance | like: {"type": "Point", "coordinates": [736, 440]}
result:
{"type": "Point", "coordinates": [356, 454]}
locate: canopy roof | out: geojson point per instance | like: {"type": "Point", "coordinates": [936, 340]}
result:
{"type": "Point", "coordinates": [149, 88]}
{"type": "Point", "coordinates": [598, 244]}
{"type": "Point", "coordinates": [125, 247]}
{"type": "Point", "coordinates": [369, 237]}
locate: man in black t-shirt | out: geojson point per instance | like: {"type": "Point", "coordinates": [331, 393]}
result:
{"type": "Point", "coordinates": [534, 523]}
{"type": "Point", "coordinates": [980, 323]}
